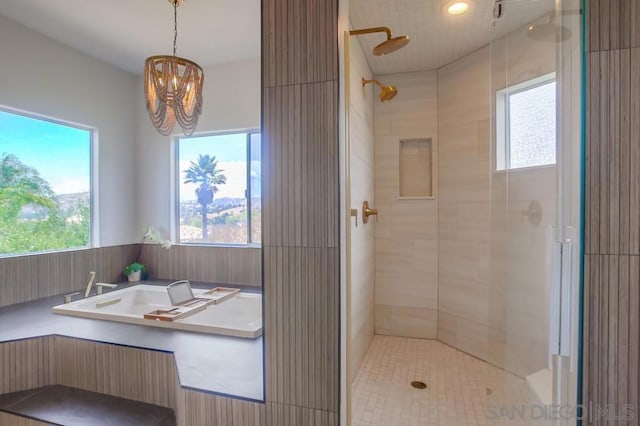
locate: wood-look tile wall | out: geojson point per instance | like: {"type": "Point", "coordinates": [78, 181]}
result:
{"type": "Point", "coordinates": [300, 212]}
{"type": "Point", "coordinates": [26, 364]}
{"type": "Point", "coordinates": [227, 265]}
{"type": "Point", "coordinates": [611, 362]}
{"type": "Point", "coordinates": [138, 374]}
{"type": "Point", "coordinates": [143, 375]}
{"type": "Point", "coordinates": [25, 278]}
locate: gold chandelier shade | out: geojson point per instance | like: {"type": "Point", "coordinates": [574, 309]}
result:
{"type": "Point", "coordinates": [173, 92]}
{"type": "Point", "coordinates": [173, 88]}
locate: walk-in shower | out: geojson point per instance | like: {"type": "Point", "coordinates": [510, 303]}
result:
{"type": "Point", "coordinates": [468, 281]}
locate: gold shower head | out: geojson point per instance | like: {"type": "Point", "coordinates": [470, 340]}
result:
{"type": "Point", "coordinates": [386, 93]}
{"type": "Point", "coordinates": [391, 44]}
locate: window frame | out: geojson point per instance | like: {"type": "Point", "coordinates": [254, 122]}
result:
{"type": "Point", "coordinates": [503, 116]}
{"type": "Point", "coordinates": [94, 234]}
{"type": "Point", "coordinates": [175, 193]}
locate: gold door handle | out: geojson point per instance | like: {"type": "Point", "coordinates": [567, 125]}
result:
{"type": "Point", "coordinates": [366, 212]}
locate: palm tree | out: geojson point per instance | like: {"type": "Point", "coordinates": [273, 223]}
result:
{"type": "Point", "coordinates": [208, 177]}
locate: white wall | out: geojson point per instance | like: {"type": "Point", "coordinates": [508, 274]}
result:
{"type": "Point", "coordinates": [406, 296]}
{"type": "Point", "coordinates": [361, 164]}
{"type": "Point", "coordinates": [44, 77]}
{"type": "Point", "coordinates": [231, 101]}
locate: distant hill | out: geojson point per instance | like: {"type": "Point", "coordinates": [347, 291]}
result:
{"type": "Point", "coordinates": [68, 202]}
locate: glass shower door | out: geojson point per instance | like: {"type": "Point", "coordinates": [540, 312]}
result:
{"type": "Point", "coordinates": [535, 206]}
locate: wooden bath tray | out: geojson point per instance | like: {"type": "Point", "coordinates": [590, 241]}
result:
{"type": "Point", "coordinates": [184, 310]}
{"type": "Point", "coordinates": [219, 294]}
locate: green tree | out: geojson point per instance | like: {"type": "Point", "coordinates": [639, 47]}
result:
{"type": "Point", "coordinates": [208, 177]}
{"type": "Point", "coordinates": [21, 186]}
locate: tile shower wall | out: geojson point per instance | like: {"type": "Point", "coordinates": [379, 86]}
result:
{"type": "Point", "coordinates": [464, 203]}
{"type": "Point", "coordinates": [406, 274]}
{"type": "Point", "coordinates": [362, 181]}
{"type": "Point", "coordinates": [520, 247]}
{"type": "Point", "coordinates": [492, 291]}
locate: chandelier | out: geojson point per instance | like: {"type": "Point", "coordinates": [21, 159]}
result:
{"type": "Point", "coordinates": [173, 88]}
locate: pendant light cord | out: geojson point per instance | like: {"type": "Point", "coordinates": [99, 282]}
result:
{"type": "Point", "coordinates": [175, 26]}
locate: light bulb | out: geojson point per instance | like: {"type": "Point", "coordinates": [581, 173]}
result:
{"type": "Point", "coordinates": [458, 8]}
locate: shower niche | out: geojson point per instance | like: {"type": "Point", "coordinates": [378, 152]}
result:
{"type": "Point", "coordinates": [416, 169]}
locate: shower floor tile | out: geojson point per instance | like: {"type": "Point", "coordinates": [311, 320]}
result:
{"type": "Point", "coordinates": [461, 390]}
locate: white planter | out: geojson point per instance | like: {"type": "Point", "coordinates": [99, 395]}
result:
{"type": "Point", "coordinates": [134, 277]}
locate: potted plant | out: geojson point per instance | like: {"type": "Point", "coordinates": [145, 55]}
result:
{"type": "Point", "coordinates": [135, 271]}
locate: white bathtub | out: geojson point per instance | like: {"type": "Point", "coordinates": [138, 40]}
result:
{"type": "Point", "coordinates": [240, 316]}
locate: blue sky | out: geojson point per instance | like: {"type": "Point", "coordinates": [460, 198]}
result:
{"type": "Point", "coordinates": [230, 151]}
{"type": "Point", "coordinates": [60, 153]}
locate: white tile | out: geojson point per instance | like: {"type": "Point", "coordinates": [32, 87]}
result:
{"type": "Point", "coordinates": [461, 389]}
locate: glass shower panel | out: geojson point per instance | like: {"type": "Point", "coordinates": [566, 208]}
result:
{"type": "Point", "coordinates": [535, 186]}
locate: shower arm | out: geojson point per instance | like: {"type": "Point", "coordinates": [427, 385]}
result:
{"type": "Point", "coordinates": [371, 31]}
{"type": "Point", "coordinates": [365, 82]}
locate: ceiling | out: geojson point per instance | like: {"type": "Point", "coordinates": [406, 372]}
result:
{"type": "Point", "coordinates": [125, 33]}
{"type": "Point", "coordinates": [436, 37]}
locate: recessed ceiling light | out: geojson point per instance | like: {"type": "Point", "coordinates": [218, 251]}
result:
{"type": "Point", "coordinates": [458, 8]}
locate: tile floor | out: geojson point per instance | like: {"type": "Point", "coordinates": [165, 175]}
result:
{"type": "Point", "coordinates": [462, 390]}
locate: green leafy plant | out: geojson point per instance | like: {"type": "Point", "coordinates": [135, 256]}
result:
{"type": "Point", "coordinates": [135, 267]}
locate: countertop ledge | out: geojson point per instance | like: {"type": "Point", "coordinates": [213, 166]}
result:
{"type": "Point", "coordinates": [221, 365]}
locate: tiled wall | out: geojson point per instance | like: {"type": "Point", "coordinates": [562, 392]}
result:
{"type": "Point", "coordinates": [519, 280]}
{"type": "Point", "coordinates": [361, 157]}
{"type": "Point", "coordinates": [102, 367]}
{"type": "Point", "coordinates": [611, 363]}
{"type": "Point", "coordinates": [493, 284]}
{"type": "Point", "coordinates": [225, 265]}
{"type": "Point", "coordinates": [301, 212]}
{"type": "Point", "coordinates": [464, 203]}
{"type": "Point", "coordinates": [406, 263]}
{"type": "Point", "coordinates": [24, 278]}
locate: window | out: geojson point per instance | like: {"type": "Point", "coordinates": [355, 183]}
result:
{"type": "Point", "coordinates": [218, 182]}
{"type": "Point", "coordinates": [45, 184]}
{"type": "Point", "coordinates": [526, 124]}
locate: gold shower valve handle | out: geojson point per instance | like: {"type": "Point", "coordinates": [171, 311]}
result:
{"type": "Point", "coordinates": [366, 212]}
